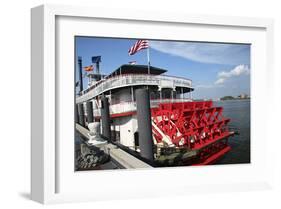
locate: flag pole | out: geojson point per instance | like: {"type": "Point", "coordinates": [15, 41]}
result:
{"type": "Point", "coordinates": [148, 61]}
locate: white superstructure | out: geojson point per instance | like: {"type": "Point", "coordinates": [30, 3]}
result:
{"type": "Point", "coordinates": [120, 86]}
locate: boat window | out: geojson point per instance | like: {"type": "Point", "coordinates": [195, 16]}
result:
{"type": "Point", "coordinates": [115, 135]}
{"type": "Point", "coordinates": [166, 93]}
{"type": "Point", "coordinates": [136, 138]}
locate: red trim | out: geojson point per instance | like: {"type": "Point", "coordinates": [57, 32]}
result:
{"type": "Point", "coordinates": [225, 135]}
{"type": "Point", "coordinates": [215, 157]}
{"type": "Point", "coordinates": [123, 114]}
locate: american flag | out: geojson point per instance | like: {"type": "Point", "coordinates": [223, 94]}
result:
{"type": "Point", "coordinates": [139, 45]}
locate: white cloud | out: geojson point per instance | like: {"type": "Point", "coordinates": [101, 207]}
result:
{"type": "Point", "coordinates": [202, 86]}
{"type": "Point", "coordinates": [220, 81]}
{"type": "Point", "coordinates": [226, 75]}
{"type": "Point", "coordinates": [232, 54]}
{"type": "Point", "coordinates": [235, 72]}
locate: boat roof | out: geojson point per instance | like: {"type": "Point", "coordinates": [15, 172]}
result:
{"type": "Point", "coordinates": [137, 69]}
{"type": "Point", "coordinates": [95, 76]}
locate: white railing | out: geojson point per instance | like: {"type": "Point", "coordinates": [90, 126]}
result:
{"type": "Point", "coordinates": [132, 106]}
{"type": "Point", "coordinates": [131, 80]}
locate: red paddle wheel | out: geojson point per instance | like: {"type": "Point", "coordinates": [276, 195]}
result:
{"type": "Point", "coordinates": [195, 126]}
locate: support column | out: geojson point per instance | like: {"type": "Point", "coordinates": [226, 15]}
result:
{"type": "Point", "coordinates": [81, 114]}
{"type": "Point", "coordinates": [144, 123]}
{"type": "Point", "coordinates": [90, 115]}
{"type": "Point", "coordinates": [80, 73]}
{"type": "Point", "coordinates": [105, 118]}
{"type": "Point", "coordinates": [132, 93]}
{"type": "Point", "coordinates": [76, 114]}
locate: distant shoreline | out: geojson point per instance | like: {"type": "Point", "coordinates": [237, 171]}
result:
{"type": "Point", "coordinates": [240, 97]}
{"type": "Point", "coordinates": [222, 100]}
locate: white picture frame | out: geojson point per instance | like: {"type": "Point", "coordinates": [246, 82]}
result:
{"type": "Point", "coordinates": [51, 179]}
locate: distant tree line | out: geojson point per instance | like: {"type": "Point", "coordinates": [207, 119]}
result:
{"type": "Point", "coordinates": [227, 98]}
{"type": "Point", "coordinates": [242, 96]}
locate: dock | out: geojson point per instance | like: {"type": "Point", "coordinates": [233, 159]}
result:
{"type": "Point", "coordinates": [118, 156]}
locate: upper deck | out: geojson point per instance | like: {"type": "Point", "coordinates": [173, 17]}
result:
{"type": "Point", "coordinates": [127, 78]}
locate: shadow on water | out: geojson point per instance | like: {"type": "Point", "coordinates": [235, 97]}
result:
{"type": "Point", "coordinates": [239, 113]}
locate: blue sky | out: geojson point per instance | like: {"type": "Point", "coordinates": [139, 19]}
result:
{"type": "Point", "coordinates": [216, 69]}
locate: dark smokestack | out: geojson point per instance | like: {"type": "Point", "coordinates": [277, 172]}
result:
{"type": "Point", "coordinates": [98, 67]}
{"type": "Point", "coordinates": [96, 60]}
{"type": "Point", "coordinates": [80, 73]}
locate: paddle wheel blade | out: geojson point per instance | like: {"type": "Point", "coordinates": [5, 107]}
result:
{"type": "Point", "coordinates": [198, 126]}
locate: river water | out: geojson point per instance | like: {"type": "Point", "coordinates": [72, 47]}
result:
{"type": "Point", "coordinates": [239, 113]}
